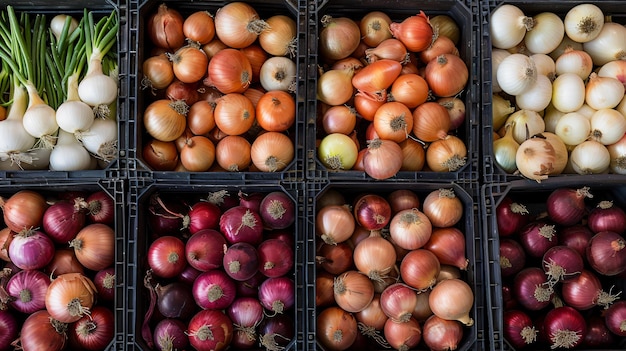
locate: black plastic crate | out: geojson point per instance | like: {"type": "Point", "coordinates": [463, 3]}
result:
{"type": "Point", "coordinates": [75, 8]}
{"type": "Point", "coordinates": [139, 240]}
{"type": "Point", "coordinates": [533, 196]}
{"type": "Point", "coordinates": [138, 98]}
{"type": "Point", "coordinates": [474, 337]}
{"type": "Point", "coordinates": [491, 170]}
{"type": "Point", "coordinates": [116, 189]}
{"type": "Point", "coordinates": [466, 15]}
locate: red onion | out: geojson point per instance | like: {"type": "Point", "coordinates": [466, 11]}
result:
{"type": "Point", "coordinates": [62, 221]}
{"type": "Point", "coordinates": [564, 327]}
{"type": "Point", "coordinates": [537, 237]}
{"type": "Point", "coordinates": [241, 261]}
{"type": "Point", "coordinates": [223, 199]}
{"type": "Point", "coordinates": [607, 217]}
{"type": "Point", "coordinates": [285, 235]}
{"type": "Point", "coordinates": [606, 253]}
{"type": "Point", "coordinates": [240, 224]}
{"type": "Point", "coordinates": [250, 287]}
{"type": "Point", "coordinates": [101, 208]}
{"type": "Point", "coordinates": [31, 249]}
{"type": "Point", "coordinates": [508, 297]}
{"type": "Point", "coordinates": [205, 250]}
{"type": "Point", "coordinates": [275, 258]}
{"type": "Point", "coordinates": [203, 215]}
{"type": "Point", "coordinates": [567, 206]}
{"type": "Point", "coordinates": [251, 201]}
{"type": "Point", "coordinates": [28, 290]}
{"type": "Point", "coordinates": [40, 329]}
{"type": "Point", "coordinates": [210, 330]}
{"type": "Point", "coordinates": [585, 292]}
{"type": "Point", "coordinates": [512, 257]}
{"type": "Point", "coordinates": [94, 331]}
{"type": "Point", "coordinates": [531, 288]}
{"type": "Point", "coordinates": [277, 294]}
{"type": "Point", "coordinates": [104, 281]}
{"type": "Point", "coordinates": [372, 211]}
{"type": "Point", "coordinates": [598, 335]}
{"type": "Point", "coordinates": [276, 332]}
{"type": "Point", "coordinates": [166, 256]}
{"type": "Point", "coordinates": [562, 263]}
{"type": "Point", "coordinates": [169, 334]}
{"type": "Point", "coordinates": [398, 302]}
{"type": "Point", "coordinates": [519, 330]}
{"type": "Point", "coordinates": [165, 216]}
{"type": "Point", "coordinates": [510, 216]}
{"type": "Point", "coordinates": [277, 210]}
{"type": "Point", "coordinates": [577, 237]}
{"type": "Point", "coordinates": [214, 289]}
{"type": "Point", "coordinates": [188, 275]}
{"type": "Point", "coordinates": [175, 300]}
{"type": "Point", "coordinates": [615, 318]}
{"type": "Point", "coordinates": [8, 329]}
{"type": "Point", "coordinates": [246, 314]}
{"type": "Point", "coordinates": [442, 335]}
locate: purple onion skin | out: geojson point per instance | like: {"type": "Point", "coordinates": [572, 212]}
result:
{"type": "Point", "coordinates": [277, 210]}
{"type": "Point", "coordinates": [598, 335]}
{"type": "Point", "coordinates": [567, 206]}
{"type": "Point", "coordinates": [172, 331]}
{"type": "Point", "coordinates": [565, 257]}
{"type": "Point", "coordinates": [175, 300]}
{"type": "Point", "coordinates": [279, 329]}
{"type": "Point", "coordinates": [9, 329]}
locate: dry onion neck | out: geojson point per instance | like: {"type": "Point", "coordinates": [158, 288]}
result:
{"type": "Point", "coordinates": [86, 329]}
{"type": "Point", "coordinates": [273, 164]}
{"type": "Point", "coordinates": [75, 308]}
{"type": "Point", "coordinates": [215, 293]}
{"type": "Point", "coordinates": [257, 26]}
{"type": "Point", "coordinates": [276, 210]}
{"type": "Point", "coordinates": [505, 262]}
{"type": "Point", "coordinates": [203, 333]}
{"type": "Point", "coordinates": [58, 326]}
{"type": "Point", "coordinates": [249, 332]}
{"type": "Point", "coordinates": [555, 272]}
{"type": "Point", "coordinates": [605, 299]}
{"type": "Point", "coordinates": [547, 231]}
{"type": "Point", "coordinates": [518, 208]}
{"type": "Point", "coordinates": [529, 334]}
{"type": "Point", "coordinates": [166, 343]}
{"type": "Point", "coordinates": [370, 332]}
{"type": "Point", "coordinates": [217, 197]}
{"type": "Point", "coordinates": [564, 338]}
{"type": "Point", "coordinates": [180, 107]}
{"type": "Point", "coordinates": [269, 342]}
{"type": "Point", "coordinates": [543, 294]}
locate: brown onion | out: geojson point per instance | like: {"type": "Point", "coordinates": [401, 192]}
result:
{"type": "Point", "coordinates": [448, 244]}
{"type": "Point", "coordinates": [440, 334]}
{"type": "Point", "coordinates": [353, 291]}
{"type": "Point", "coordinates": [419, 269]}
{"type": "Point", "coordinates": [452, 299]}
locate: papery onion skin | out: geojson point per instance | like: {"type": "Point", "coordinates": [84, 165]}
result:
{"type": "Point", "coordinates": [512, 257]}
{"type": "Point", "coordinates": [518, 328]}
{"type": "Point", "coordinates": [598, 335]}
{"type": "Point", "coordinates": [353, 290]}
{"type": "Point", "coordinates": [452, 299]}
{"type": "Point", "coordinates": [442, 335]}
{"type": "Point", "coordinates": [410, 229]}
{"type": "Point", "coordinates": [375, 257]}
{"type": "Point", "coordinates": [585, 291]}
{"type": "Point", "coordinates": [420, 268]}
{"type": "Point", "coordinates": [562, 263]}
{"type": "Point", "coordinates": [607, 217]}
{"type": "Point", "coordinates": [448, 244]}
{"type": "Point", "coordinates": [615, 318]}
{"type": "Point", "coordinates": [531, 289]}
{"type": "Point", "coordinates": [564, 327]}
{"type": "Point", "coordinates": [372, 211]}
{"type": "Point", "coordinates": [403, 336]}
{"type": "Point", "coordinates": [606, 253]}
{"type": "Point", "coordinates": [210, 330]}
{"type": "Point", "coordinates": [537, 237]}
{"type": "Point", "coordinates": [336, 328]}
{"type": "Point", "coordinates": [510, 216]}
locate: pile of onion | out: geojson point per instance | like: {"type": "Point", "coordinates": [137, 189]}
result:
{"type": "Point", "coordinates": [401, 289]}
{"type": "Point", "coordinates": [57, 275]}
{"type": "Point", "coordinates": [557, 79]}
{"type": "Point", "coordinates": [390, 94]}
{"type": "Point", "coordinates": [565, 260]}
{"type": "Point", "coordinates": [219, 90]}
{"type": "Point", "coordinates": [220, 270]}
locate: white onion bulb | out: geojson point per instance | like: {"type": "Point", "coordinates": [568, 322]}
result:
{"type": "Point", "coordinates": [568, 92]}
{"type": "Point", "coordinates": [551, 117]}
{"type": "Point", "coordinates": [545, 65]}
{"type": "Point", "coordinates": [615, 69]}
{"type": "Point", "coordinates": [537, 97]}
{"type": "Point", "coordinates": [546, 33]}
{"type": "Point", "coordinates": [574, 61]}
{"type": "Point", "coordinates": [516, 74]}
{"type": "Point", "coordinates": [583, 22]}
{"type": "Point", "coordinates": [607, 126]}
{"type": "Point", "coordinates": [609, 45]}
{"type": "Point", "coordinates": [603, 92]}
{"type": "Point", "coordinates": [508, 26]}
{"type": "Point", "coordinates": [526, 123]}
{"type": "Point", "coordinates": [617, 152]}
{"type": "Point", "coordinates": [590, 157]}
{"type": "Point", "coordinates": [573, 128]}
{"type": "Point", "coordinates": [497, 55]}
{"type": "Point", "coordinates": [564, 45]}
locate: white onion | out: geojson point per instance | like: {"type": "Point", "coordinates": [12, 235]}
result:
{"type": "Point", "coordinates": [525, 124]}
{"type": "Point", "coordinates": [573, 128]}
{"type": "Point", "coordinates": [278, 73]}
{"type": "Point", "coordinates": [568, 92]}
{"type": "Point", "coordinates": [617, 152]}
{"type": "Point", "coordinates": [537, 97]}
{"type": "Point", "coordinates": [590, 157]}
{"type": "Point", "coordinates": [508, 26]}
{"type": "Point", "coordinates": [68, 154]}
{"type": "Point", "coordinates": [574, 61]}
{"type": "Point", "coordinates": [516, 74]}
{"type": "Point", "coordinates": [551, 117]}
{"type": "Point", "coordinates": [607, 126]}
{"type": "Point", "coordinates": [497, 55]}
{"type": "Point", "coordinates": [586, 111]}
{"type": "Point", "coordinates": [615, 69]}
{"type": "Point", "coordinates": [583, 22]}
{"type": "Point", "coordinates": [564, 45]}
{"type": "Point", "coordinates": [603, 92]}
{"type": "Point", "coordinates": [74, 116]}
{"type": "Point", "coordinates": [609, 45]}
{"type": "Point", "coordinates": [546, 33]}
{"type": "Point", "coordinates": [621, 107]}
{"type": "Point", "coordinates": [101, 139]}
{"type": "Point", "coordinates": [545, 65]}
